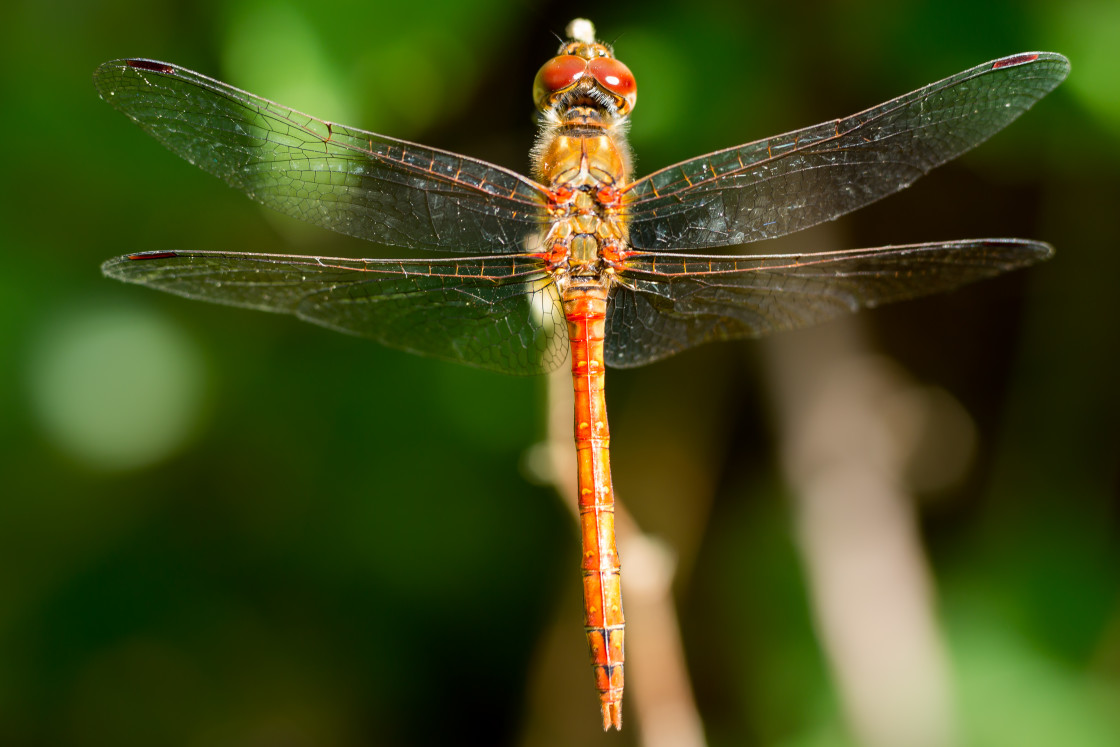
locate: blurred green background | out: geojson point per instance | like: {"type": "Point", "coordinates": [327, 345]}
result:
{"type": "Point", "coordinates": [221, 527]}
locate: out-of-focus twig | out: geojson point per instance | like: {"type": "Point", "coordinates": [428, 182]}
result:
{"type": "Point", "coordinates": [849, 423]}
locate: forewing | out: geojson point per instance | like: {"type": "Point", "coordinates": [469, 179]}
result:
{"type": "Point", "coordinates": [500, 313]}
{"type": "Point", "coordinates": [667, 303]}
{"type": "Point", "coordinates": [348, 180]}
{"type": "Point", "coordinates": [773, 187]}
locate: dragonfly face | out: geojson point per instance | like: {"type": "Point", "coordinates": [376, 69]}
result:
{"type": "Point", "coordinates": [580, 259]}
{"type": "Point", "coordinates": [583, 69]}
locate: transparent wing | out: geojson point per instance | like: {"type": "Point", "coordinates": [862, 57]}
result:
{"type": "Point", "coordinates": [348, 180]}
{"type": "Point", "coordinates": [783, 184]}
{"type": "Point", "coordinates": [501, 312]}
{"type": "Point", "coordinates": [670, 302]}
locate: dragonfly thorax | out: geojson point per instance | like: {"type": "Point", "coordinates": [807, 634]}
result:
{"type": "Point", "coordinates": [584, 245]}
{"type": "Point", "coordinates": [585, 171]}
{"type": "Point", "coordinates": [583, 258]}
{"type": "Point", "coordinates": [587, 238]}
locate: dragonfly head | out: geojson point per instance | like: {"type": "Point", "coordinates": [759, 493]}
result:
{"type": "Point", "coordinates": [585, 68]}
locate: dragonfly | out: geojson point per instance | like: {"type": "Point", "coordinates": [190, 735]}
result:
{"type": "Point", "coordinates": [579, 259]}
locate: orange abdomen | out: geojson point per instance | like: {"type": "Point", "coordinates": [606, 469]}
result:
{"type": "Point", "coordinates": [585, 307]}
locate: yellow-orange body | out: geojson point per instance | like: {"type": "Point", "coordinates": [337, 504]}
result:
{"type": "Point", "coordinates": [583, 159]}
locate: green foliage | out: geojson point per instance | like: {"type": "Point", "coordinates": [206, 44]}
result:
{"type": "Point", "coordinates": [325, 542]}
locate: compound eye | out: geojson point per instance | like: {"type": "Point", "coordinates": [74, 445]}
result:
{"type": "Point", "coordinates": [557, 74]}
{"type": "Point", "coordinates": [616, 78]}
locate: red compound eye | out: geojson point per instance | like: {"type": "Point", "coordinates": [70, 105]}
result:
{"type": "Point", "coordinates": [616, 78]}
{"type": "Point", "coordinates": [557, 74]}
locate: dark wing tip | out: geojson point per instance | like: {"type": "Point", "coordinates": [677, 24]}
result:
{"type": "Point", "coordinates": [1015, 60]}
{"type": "Point", "coordinates": [139, 63]}
{"type": "Point", "coordinates": [1027, 58]}
{"type": "Point", "coordinates": [154, 66]}
{"type": "Point", "coordinates": [1041, 251]}
{"type": "Point", "coordinates": [1023, 252]}
{"type": "Point", "coordinates": [151, 255]}
{"type": "Point", "coordinates": [108, 75]}
{"type": "Point", "coordinates": [116, 267]}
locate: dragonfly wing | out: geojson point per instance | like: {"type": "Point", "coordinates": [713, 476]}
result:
{"type": "Point", "coordinates": [501, 313]}
{"type": "Point", "coordinates": [354, 182]}
{"type": "Point", "coordinates": [773, 187]}
{"type": "Point", "coordinates": [666, 303]}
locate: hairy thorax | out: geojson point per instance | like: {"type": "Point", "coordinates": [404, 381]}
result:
{"type": "Point", "coordinates": [583, 158]}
